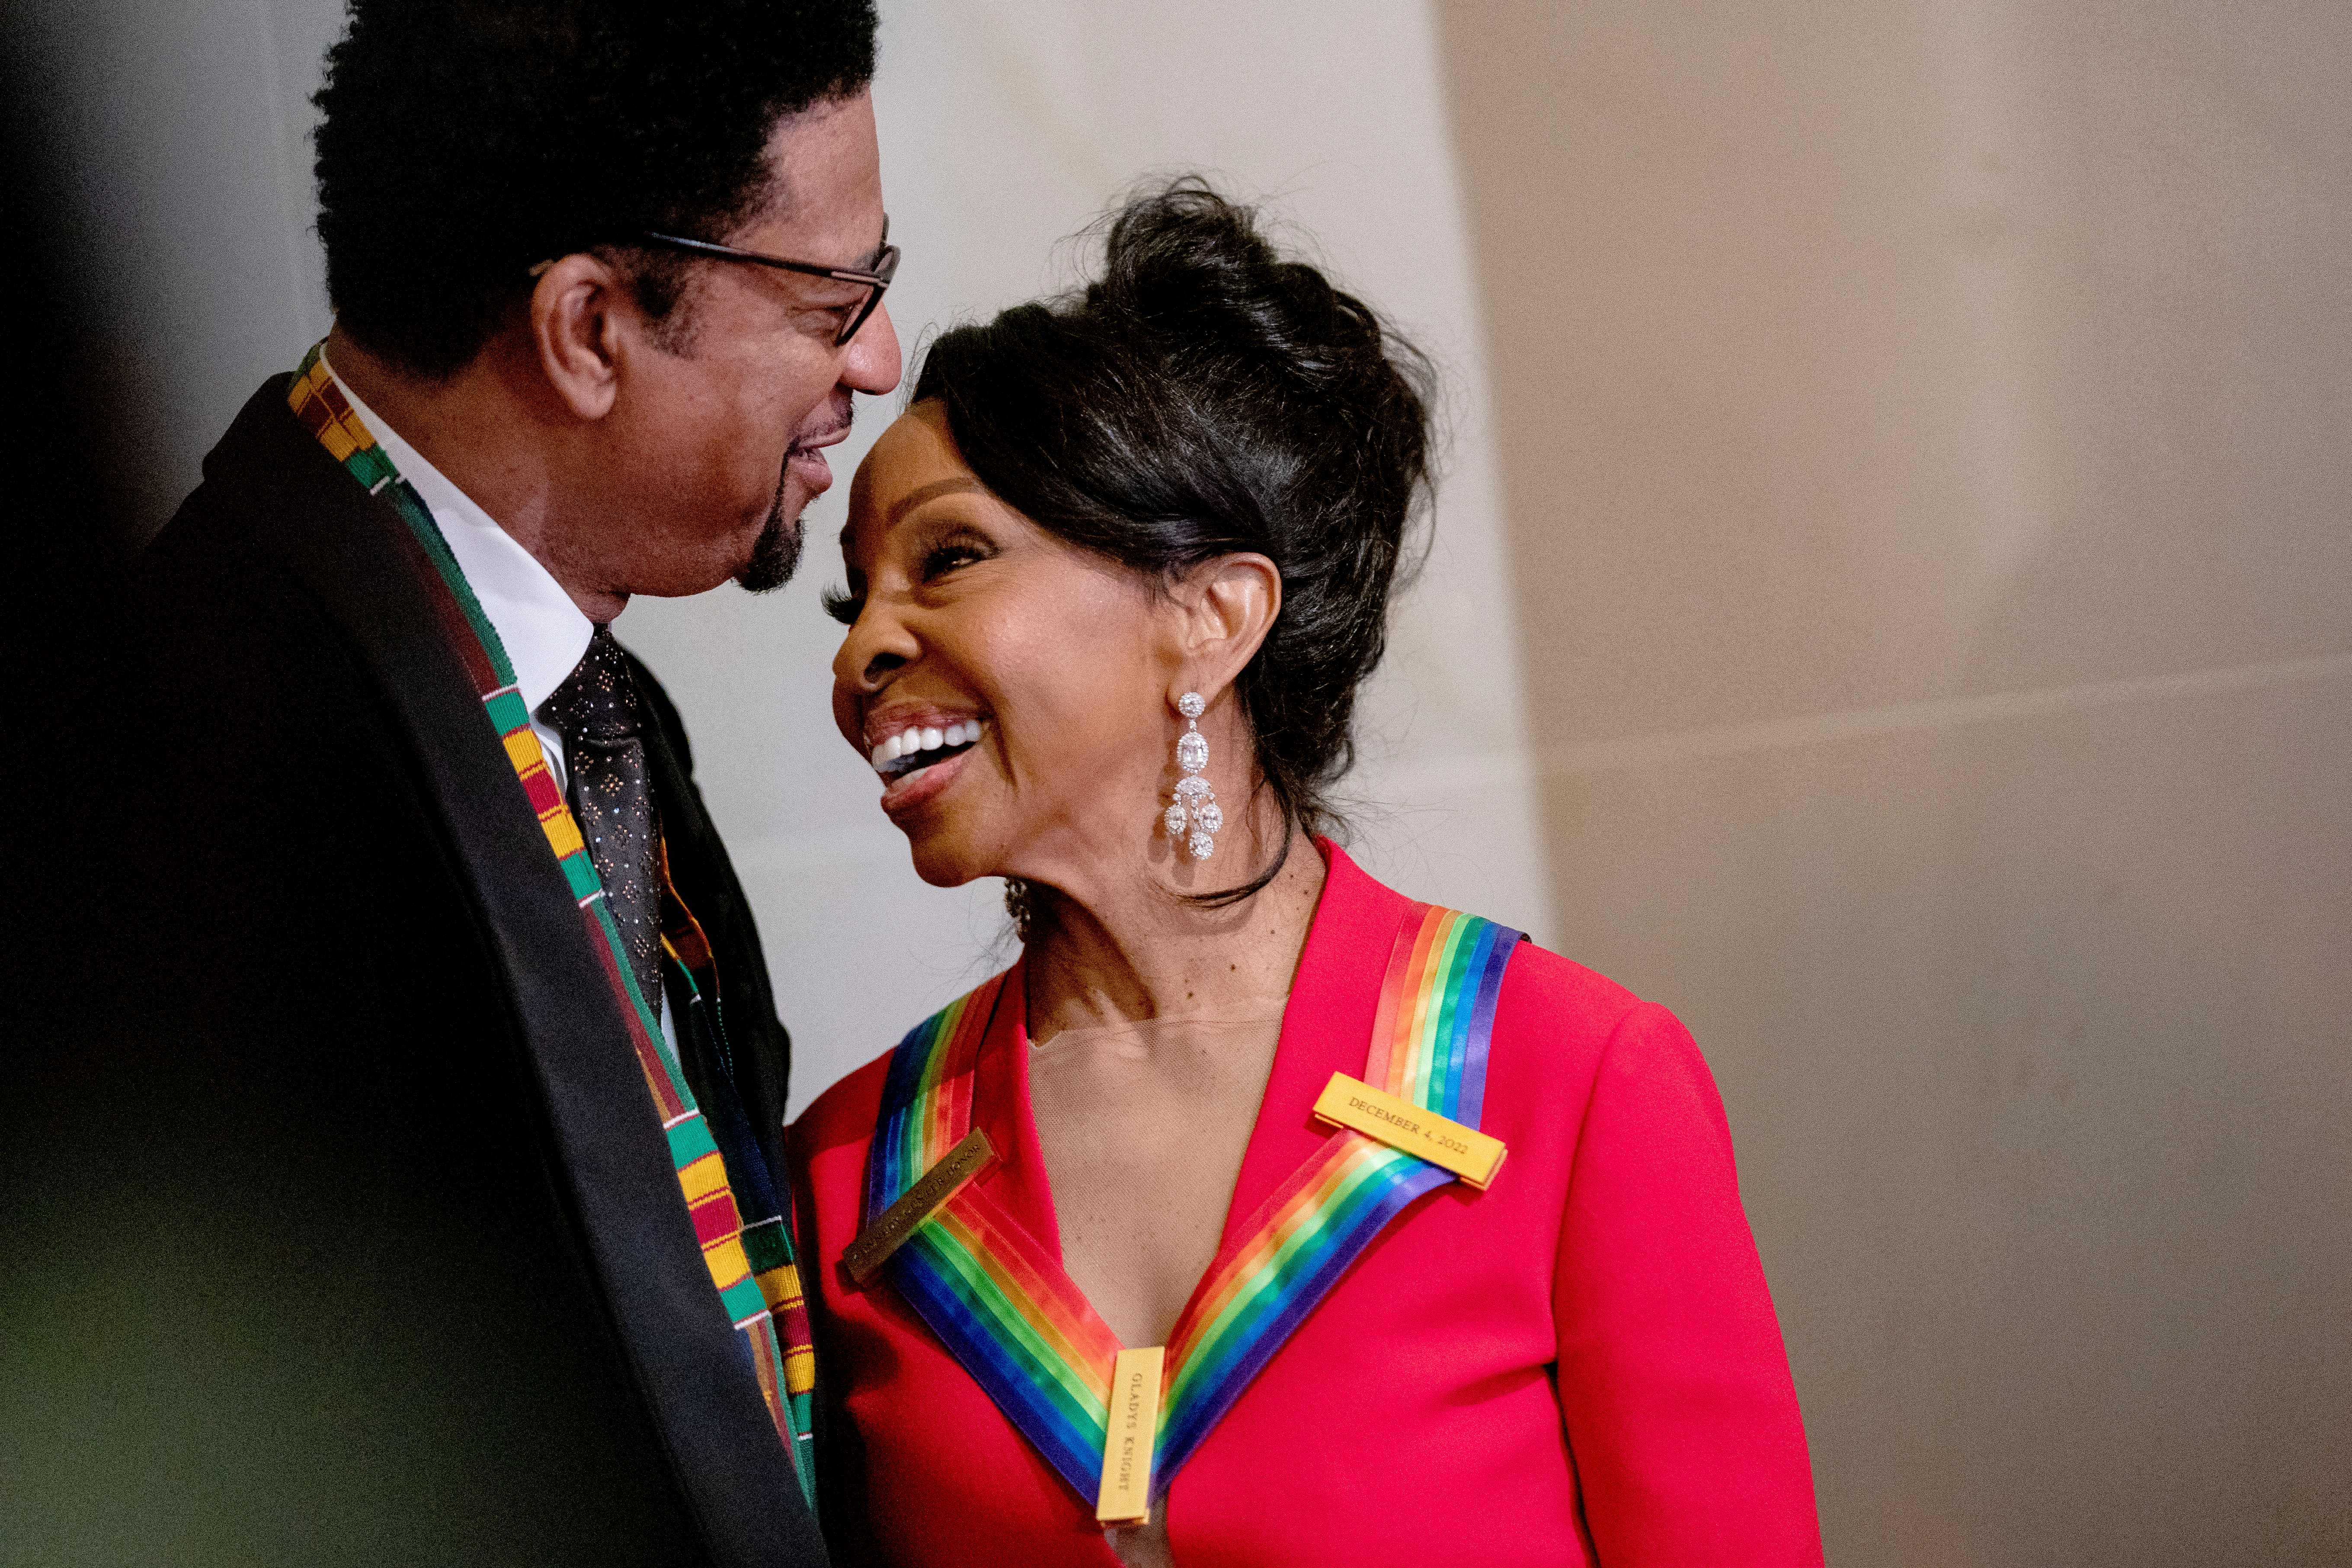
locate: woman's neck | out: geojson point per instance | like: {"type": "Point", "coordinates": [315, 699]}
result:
{"type": "Point", "coordinates": [1139, 952]}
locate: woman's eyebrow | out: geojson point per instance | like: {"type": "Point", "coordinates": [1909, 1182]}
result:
{"type": "Point", "coordinates": [931, 491]}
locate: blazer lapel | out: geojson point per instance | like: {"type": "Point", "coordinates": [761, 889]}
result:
{"type": "Point", "coordinates": [354, 555]}
{"type": "Point", "coordinates": [706, 880]}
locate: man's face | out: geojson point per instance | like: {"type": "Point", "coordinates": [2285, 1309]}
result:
{"type": "Point", "coordinates": [715, 443]}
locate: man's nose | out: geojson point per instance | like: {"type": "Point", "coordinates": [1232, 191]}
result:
{"type": "Point", "coordinates": [871, 365]}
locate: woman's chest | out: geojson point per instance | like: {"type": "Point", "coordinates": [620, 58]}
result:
{"type": "Point", "coordinates": [1374, 1342]}
{"type": "Point", "coordinates": [1142, 1130]}
{"type": "Point", "coordinates": [1418, 1386]}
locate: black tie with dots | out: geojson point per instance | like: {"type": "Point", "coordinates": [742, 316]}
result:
{"type": "Point", "coordinates": [598, 713]}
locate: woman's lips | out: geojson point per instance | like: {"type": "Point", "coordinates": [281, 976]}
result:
{"type": "Point", "coordinates": [910, 790]}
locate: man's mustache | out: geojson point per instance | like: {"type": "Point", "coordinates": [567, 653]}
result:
{"type": "Point", "coordinates": [838, 428]}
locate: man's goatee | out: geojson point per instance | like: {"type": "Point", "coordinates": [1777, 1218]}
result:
{"type": "Point", "coordinates": [775, 554]}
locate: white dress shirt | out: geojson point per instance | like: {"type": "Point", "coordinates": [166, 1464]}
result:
{"type": "Point", "coordinates": [544, 632]}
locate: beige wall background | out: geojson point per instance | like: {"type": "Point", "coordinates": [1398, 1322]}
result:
{"type": "Point", "coordinates": [1925, 447]}
{"type": "Point", "coordinates": [1889, 603]}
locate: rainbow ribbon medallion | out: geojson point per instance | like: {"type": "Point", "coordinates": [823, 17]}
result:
{"type": "Point", "coordinates": [1430, 1039]}
{"type": "Point", "coordinates": [1001, 1304]}
{"type": "Point", "coordinates": [1014, 1320]}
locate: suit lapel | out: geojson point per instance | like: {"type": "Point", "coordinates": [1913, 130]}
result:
{"type": "Point", "coordinates": [705, 881]}
{"type": "Point", "coordinates": [354, 555]}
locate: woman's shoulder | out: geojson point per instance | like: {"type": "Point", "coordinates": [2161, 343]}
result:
{"type": "Point", "coordinates": [1566, 1034]}
{"type": "Point", "coordinates": [1569, 1002]}
{"type": "Point", "coordinates": [1545, 1003]}
{"type": "Point", "coordinates": [844, 1113]}
{"type": "Point", "coordinates": [1571, 993]}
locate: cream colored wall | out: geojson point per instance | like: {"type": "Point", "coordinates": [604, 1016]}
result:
{"type": "Point", "coordinates": [1925, 444]}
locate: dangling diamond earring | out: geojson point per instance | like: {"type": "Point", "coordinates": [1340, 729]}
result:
{"type": "Point", "coordinates": [1196, 802]}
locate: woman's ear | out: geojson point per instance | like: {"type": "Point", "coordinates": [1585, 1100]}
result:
{"type": "Point", "coordinates": [1226, 607]}
{"type": "Point", "coordinates": [575, 329]}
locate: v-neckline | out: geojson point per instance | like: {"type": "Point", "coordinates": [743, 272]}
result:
{"type": "Point", "coordinates": [1327, 1026]}
{"type": "Point", "coordinates": [1040, 1216]}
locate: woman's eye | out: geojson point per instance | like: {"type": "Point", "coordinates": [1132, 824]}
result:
{"type": "Point", "coordinates": [944, 558]}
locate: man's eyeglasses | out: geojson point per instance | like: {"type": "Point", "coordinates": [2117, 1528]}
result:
{"type": "Point", "coordinates": [877, 278]}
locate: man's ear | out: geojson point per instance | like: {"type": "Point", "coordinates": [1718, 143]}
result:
{"type": "Point", "coordinates": [577, 309]}
{"type": "Point", "coordinates": [1225, 608]}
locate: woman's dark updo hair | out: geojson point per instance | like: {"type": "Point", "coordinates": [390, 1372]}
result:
{"type": "Point", "coordinates": [1204, 397]}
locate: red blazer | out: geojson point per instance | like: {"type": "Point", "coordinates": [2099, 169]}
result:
{"type": "Point", "coordinates": [1581, 1364]}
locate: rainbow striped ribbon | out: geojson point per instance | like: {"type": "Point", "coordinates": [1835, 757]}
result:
{"type": "Point", "coordinates": [752, 1267]}
{"type": "Point", "coordinates": [1007, 1311]}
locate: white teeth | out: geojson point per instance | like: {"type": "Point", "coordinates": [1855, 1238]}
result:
{"type": "Point", "coordinates": [924, 738]}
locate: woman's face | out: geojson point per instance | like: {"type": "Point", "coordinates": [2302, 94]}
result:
{"type": "Point", "coordinates": [1010, 689]}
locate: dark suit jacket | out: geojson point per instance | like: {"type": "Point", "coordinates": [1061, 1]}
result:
{"type": "Point", "coordinates": [340, 1227]}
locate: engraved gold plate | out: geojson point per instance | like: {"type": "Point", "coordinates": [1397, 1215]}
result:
{"type": "Point", "coordinates": [918, 1203]}
{"type": "Point", "coordinates": [1469, 1154]}
{"type": "Point", "coordinates": [1134, 1424]}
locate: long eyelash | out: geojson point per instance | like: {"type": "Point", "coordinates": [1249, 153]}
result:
{"type": "Point", "coordinates": [842, 605]}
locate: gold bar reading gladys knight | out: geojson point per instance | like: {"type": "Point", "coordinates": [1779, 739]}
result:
{"type": "Point", "coordinates": [1128, 1436]}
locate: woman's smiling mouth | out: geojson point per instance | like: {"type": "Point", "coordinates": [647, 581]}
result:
{"type": "Point", "coordinates": [916, 761]}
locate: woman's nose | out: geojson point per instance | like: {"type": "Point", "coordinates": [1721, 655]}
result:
{"type": "Point", "coordinates": [879, 644]}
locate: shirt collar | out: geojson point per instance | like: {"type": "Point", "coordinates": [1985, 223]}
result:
{"type": "Point", "coordinates": [544, 632]}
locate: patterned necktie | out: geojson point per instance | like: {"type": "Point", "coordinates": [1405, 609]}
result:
{"type": "Point", "coordinates": [598, 713]}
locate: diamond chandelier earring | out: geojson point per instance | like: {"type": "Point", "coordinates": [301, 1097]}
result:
{"type": "Point", "coordinates": [1195, 805]}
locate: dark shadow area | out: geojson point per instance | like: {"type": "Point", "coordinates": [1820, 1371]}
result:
{"type": "Point", "coordinates": [71, 522]}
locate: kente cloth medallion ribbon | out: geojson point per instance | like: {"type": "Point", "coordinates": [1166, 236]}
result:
{"type": "Point", "coordinates": [1002, 1304]}
{"type": "Point", "coordinates": [752, 1268]}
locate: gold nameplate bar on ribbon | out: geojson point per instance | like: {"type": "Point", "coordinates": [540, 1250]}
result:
{"type": "Point", "coordinates": [1401, 1124]}
{"type": "Point", "coordinates": [1133, 1426]}
{"type": "Point", "coordinates": [917, 1203]}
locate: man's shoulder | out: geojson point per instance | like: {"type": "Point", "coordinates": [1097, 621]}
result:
{"type": "Point", "coordinates": [264, 475]}
{"type": "Point", "coordinates": [274, 616]}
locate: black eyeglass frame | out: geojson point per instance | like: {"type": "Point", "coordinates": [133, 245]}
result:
{"type": "Point", "coordinates": [886, 266]}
